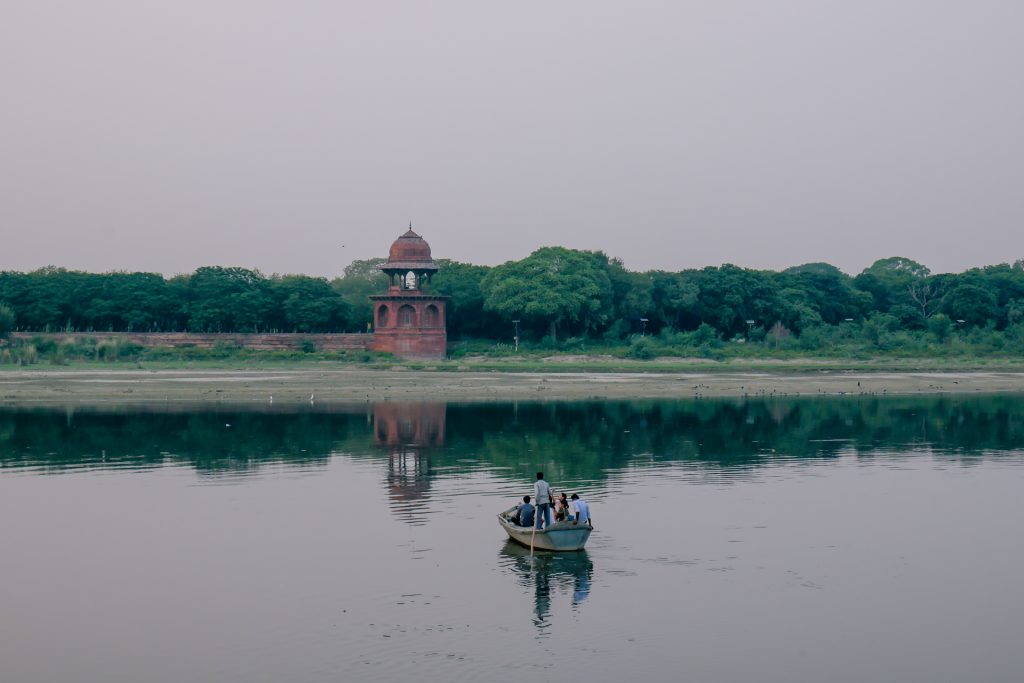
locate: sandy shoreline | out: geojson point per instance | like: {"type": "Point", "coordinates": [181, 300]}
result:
{"type": "Point", "coordinates": [81, 387]}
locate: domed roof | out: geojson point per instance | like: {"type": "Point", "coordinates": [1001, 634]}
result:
{"type": "Point", "coordinates": [410, 252]}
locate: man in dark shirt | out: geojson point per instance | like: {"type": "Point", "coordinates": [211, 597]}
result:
{"type": "Point", "coordinates": [524, 513]}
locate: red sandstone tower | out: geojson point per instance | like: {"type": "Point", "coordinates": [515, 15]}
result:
{"type": "Point", "coordinates": [409, 322]}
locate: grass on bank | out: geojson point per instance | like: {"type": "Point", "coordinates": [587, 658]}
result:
{"type": "Point", "coordinates": [836, 349]}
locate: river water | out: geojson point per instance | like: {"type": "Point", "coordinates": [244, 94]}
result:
{"type": "Point", "coordinates": [773, 540]}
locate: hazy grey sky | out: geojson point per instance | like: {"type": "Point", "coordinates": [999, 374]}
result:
{"type": "Point", "coordinates": [296, 136]}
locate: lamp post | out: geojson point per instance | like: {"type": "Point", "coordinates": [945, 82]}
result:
{"type": "Point", "coordinates": [516, 323]}
{"type": "Point", "coordinates": [643, 326]}
{"type": "Point", "coordinates": [750, 326]}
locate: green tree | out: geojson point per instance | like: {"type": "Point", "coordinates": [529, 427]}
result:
{"type": "Point", "coordinates": [898, 266]}
{"type": "Point", "coordinates": [878, 327]}
{"type": "Point", "coordinates": [973, 304]}
{"type": "Point", "coordinates": [360, 279]}
{"type": "Point", "coordinates": [553, 286]}
{"type": "Point", "coordinates": [940, 326]}
{"type": "Point", "coordinates": [674, 299]}
{"type": "Point", "coordinates": [631, 297]}
{"type": "Point", "coordinates": [228, 300]}
{"type": "Point", "coordinates": [123, 301]}
{"type": "Point", "coordinates": [7, 320]}
{"type": "Point", "coordinates": [730, 295]}
{"type": "Point", "coordinates": [309, 304]}
{"type": "Point", "coordinates": [903, 288]}
{"type": "Point", "coordinates": [460, 282]}
{"type": "Point", "coordinates": [829, 292]}
{"type": "Point", "coordinates": [798, 310]}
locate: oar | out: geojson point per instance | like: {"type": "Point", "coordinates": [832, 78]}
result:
{"type": "Point", "coordinates": [533, 534]}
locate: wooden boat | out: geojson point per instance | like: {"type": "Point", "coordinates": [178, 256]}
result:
{"type": "Point", "coordinates": [560, 536]}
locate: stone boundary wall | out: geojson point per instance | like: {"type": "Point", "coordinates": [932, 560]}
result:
{"type": "Point", "coordinates": [262, 342]}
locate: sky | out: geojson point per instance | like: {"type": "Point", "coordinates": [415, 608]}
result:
{"type": "Point", "coordinates": [297, 136]}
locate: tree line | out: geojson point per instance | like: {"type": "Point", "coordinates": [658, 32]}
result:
{"type": "Point", "coordinates": [212, 299]}
{"type": "Point", "coordinates": [554, 293]}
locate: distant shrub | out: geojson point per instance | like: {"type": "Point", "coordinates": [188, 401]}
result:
{"type": "Point", "coordinates": [641, 348]}
{"type": "Point", "coordinates": [28, 354]}
{"type": "Point", "coordinates": [940, 327]}
{"type": "Point", "coordinates": [617, 330]}
{"type": "Point", "coordinates": [116, 349]}
{"type": "Point", "coordinates": [44, 346]}
{"type": "Point", "coordinates": [669, 336]}
{"type": "Point", "coordinates": [812, 338]}
{"type": "Point", "coordinates": [1014, 336]}
{"type": "Point", "coordinates": [703, 336]}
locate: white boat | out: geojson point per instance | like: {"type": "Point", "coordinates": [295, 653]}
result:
{"type": "Point", "coordinates": [560, 536]}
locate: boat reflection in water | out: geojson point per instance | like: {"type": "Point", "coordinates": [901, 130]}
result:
{"type": "Point", "coordinates": [568, 574]}
{"type": "Point", "coordinates": [408, 431]}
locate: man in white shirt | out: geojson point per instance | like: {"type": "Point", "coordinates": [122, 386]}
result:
{"type": "Point", "coordinates": [542, 499]}
{"type": "Point", "coordinates": [580, 510]}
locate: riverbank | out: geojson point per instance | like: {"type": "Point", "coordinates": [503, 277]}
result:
{"type": "Point", "coordinates": [293, 385]}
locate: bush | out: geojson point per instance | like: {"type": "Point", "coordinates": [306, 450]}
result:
{"type": "Point", "coordinates": [28, 354]}
{"type": "Point", "coordinates": [1014, 337]}
{"type": "Point", "coordinates": [812, 338]}
{"type": "Point", "coordinates": [617, 330]}
{"type": "Point", "coordinates": [704, 335]}
{"type": "Point", "coordinates": [116, 349]}
{"type": "Point", "coordinates": [940, 327]}
{"type": "Point", "coordinates": [877, 328]}
{"type": "Point", "coordinates": [641, 348]}
{"type": "Point", "coordinates": [44, 346]}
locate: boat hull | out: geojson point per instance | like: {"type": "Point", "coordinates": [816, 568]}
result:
{"type": "Point", "coordinates": [559, 537]}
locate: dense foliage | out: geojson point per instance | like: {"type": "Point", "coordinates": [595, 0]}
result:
{"type": "Point", "coordinates": [555, 293]}
{"type": "Point", "coordinates": [212, 299]}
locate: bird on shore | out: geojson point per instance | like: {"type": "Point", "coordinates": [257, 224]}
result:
{"type": "Point", "coordinates": [311, 398]}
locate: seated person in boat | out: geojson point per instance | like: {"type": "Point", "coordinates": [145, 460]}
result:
{"type": "Point", "coordinates": [580, 510]}
{"type": "Point", "coordinates": [562, 509]}
{"type": "Point", "coordinates": [523, 516]}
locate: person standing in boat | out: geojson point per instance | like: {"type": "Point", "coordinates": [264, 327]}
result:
{"type": "Point", "coordinates": [580, 510]}
{"type": "Point", "coordinates": [542, 498]}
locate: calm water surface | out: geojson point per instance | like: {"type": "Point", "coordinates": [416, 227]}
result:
{"type": "Point", "coordinates": [776, 540]}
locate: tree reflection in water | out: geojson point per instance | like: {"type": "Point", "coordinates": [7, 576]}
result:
{"type": "Point", "coordinates": [574, 443]}
{"type": "Point", "coordinates": [545, 573]}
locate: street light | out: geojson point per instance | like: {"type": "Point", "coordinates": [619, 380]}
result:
{"type": "Point", "coordinates": [750, 326]}
{"type": "Point", "coordinates": [643, 326]}
{"type": "Point", "coordinates": [516, 323]}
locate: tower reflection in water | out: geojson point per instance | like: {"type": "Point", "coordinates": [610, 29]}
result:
{"type": "Point", "coordinates": [549, 575]}
{"type": "Point", "coordinates": [408, 431]}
